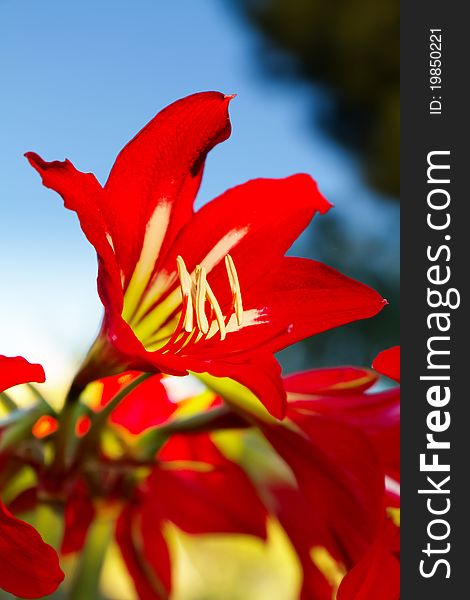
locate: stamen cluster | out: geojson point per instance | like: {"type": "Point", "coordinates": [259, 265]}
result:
{"type": "Point", "coordinates": [196, 291]}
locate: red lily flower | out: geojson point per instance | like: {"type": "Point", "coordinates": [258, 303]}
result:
{"type": "Point", "coordinates": [29, 567]}
{"type": "Point", "coordinates": [342, 394]}
{"type": "Point", "coordinates": [209, 291]}
{"type": "Point", "coordinates": [377, 575]}
{"type": "Point", "coordinates": [346, 443]}
{"type": "Point", "coordinates": [338, 500]}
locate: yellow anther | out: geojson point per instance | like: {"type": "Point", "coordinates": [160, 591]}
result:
{"type": "Point", "coordinates": [218, 311]}
{"type": "Point", "coordinates": [186, 290]}
{"type": "Point", "coordinates": [235, 286]}
{"type": "Point", "coordinates": [201, 291]}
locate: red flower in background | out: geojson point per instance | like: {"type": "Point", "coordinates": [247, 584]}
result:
{"type": "Point", "coordinates": [388, 363]}
{"type": "Point", "coordinates": [209, 291]}
{"type": "Point", "coordinates": [15, 370]}
{"type": "Point", "coordinates": [210, 494]}
{"type": "Point", "coordinates": [343, 453]}
{"type": "Point", "coordinates": [145, 407]}
{"type": "Point", "coordinates": [190, 484]}
{"type": "Point", "coordinates": [340, 441]}
{"type": "Point", "coordinates": [29, 567]}
{"type": "Point", "coordinates": [342, 394]}
{"type": "Point", "coordinates": [377, 575]}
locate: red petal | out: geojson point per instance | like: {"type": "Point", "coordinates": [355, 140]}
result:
{"type": "Point", "coordinates": [221, 501]}
{"type": "Point", "coordinates": [306, 530]}
{"type": "Point", "coordinates": [16, 370]}
{"type": "Point", "coordinates": [24, 502]}
{"type": "Point", "coordinates": [146, 406]}
{"type": "Point", "coordinates": [336, 451]}
{"type": "Point", "coordinates": [149, 584]}
{"type": "Point", "coordinates": [391, 536]}
{"type": "Point", "coordinates": [246, 209]}
{"type": "Point", "coordinates": [222, 498]}
{"type": "Point", "coordinates": [307, 297]}
{"type": "Point", "coordinates": [163, 164]}
{"type": "Point", "coordinates": [29, 567]}
{"type": "Point", "coordinates": [155, 548]}
{"type": "Point", "coordinates": [83, 194]}
{"type": "Point", "coordinates": [242, 222]}
{"type": "Point", "coordinates": [78, 516]}
{"type": "Point", "coordinates": [387, 363]}
{"type": "Point", "coordinates": [192, 448]}
{"type": "Point", "coordinates": [376, 414]}
{"type": "Point", "coordinates": [298, 298]}
{"type": "Point", "coordinates": [337, 472]}
{"type": "Point", "coordinates": [239, 222]}
{"type": "Point", "coordinates": [376, 576]}
{"type": "Point", "coordinates": [329, 381]}
{"type": "Point", "coordinates": [261, 375]}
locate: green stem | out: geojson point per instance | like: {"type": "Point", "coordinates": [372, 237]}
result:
{"type": "Point", "coordinates": [100, 419]}
{"type": "Point", "coordinates": [37, 394]}
{"type": "Point", "coordinates": [8, 402]}
{"type": "Point", "coordinates": [66, 432]}
{"type": "Point", "coordinates": [86, 580]}
{"type": "Point", "coordinates": [153, 440]}
{"type": "Point", "coordinates": [18, 425]}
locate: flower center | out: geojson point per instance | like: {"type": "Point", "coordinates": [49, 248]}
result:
{"type": "Point", "coordinates": [197, 292]}
{"type": "Point", "coordinates": [191, 311]}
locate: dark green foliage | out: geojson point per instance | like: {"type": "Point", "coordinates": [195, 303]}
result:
{"type": "Point", "coordinates": [351, 47]}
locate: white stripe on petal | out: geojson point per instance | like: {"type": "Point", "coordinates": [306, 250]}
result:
{"type": "Point", "coordinates": [155, 233]}
{"type": "Point", "coordinates": [223, 247]}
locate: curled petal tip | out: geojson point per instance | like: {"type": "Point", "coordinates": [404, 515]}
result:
{"type": "Point", "coordinates": [229, 97]}
{"type": "Point", "coordinates": [34, 160]}
{"type": "Point", "coordinates": [280, 412]}
{"type": "Point", "coordinates": [31, 156]}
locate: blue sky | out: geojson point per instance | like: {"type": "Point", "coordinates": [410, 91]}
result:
{"type": "Point", "coordinates": [78, 80]}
